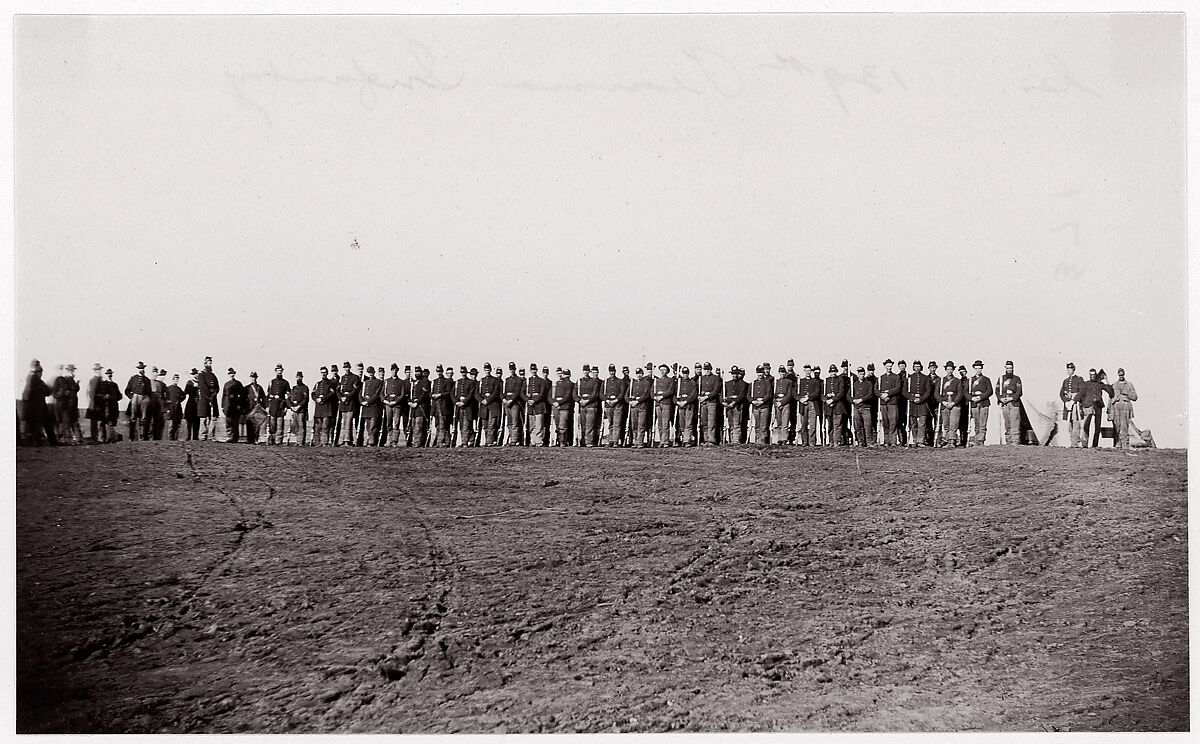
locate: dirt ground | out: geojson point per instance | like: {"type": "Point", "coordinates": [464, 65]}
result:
{"type": "Point", "coordinates": [204, 587]}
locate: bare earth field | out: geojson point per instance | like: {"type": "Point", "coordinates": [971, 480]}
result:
{"type": "Point", "coordinates": [204, 587]}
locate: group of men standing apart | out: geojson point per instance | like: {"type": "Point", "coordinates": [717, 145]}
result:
{"type": "Point", "coordinates": [378, 407]}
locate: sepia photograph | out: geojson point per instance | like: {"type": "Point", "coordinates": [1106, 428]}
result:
{"type": "Point", "coordinates": [860, 338]}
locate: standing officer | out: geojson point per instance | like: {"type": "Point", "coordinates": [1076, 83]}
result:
{"type": "Point", "coordinates": [138, 392]}
{"type": "Point", "coordinates": [1091, 403]}
{"type": "Point", "coordinates": [664, 404]}
{"type": "Point", "coordinates": [174, 406]}
{"type": "Point", "coordinates": [395, 401]}
{"type": "Point", "coordinates": [371, 406]}
{"type": "Point", "coordinates": [489, 394]}
{"type": "Point", "coordinates": [589, 392]}
{"type": "Point", "coordinates": [277, 405]}
{"type": "Point", "coordinates": [441, 390]}
{"type": "Point", "coordinates": [807, 396]}
{"type": "Point", "coordinates": [233, 400]}
{"type": "Point", "coordinates": [34, 413]}
{"type": "Point", "coordinates": [564, 408]}
{"type": "Point", "coordinates": [980, 393]}
{"type": "Point", "coordinates": [1010, 391]}
{"type": "Point", "coordinates": [641, 394]}
{"type": "Point", "coordinates": [785, 394]}
{"type": "Point", "coordinates": [419, 407]}
{"type": "Point", "coordinates": [514, 407]}
{"type": "Point", "coordinates": [1121, 410]}
{"type": "Point", "coordinates": [890, 395]}
{"type": "Point", "coordinates": [158, 393]}
{"type": "Point", "coordinates": [466, 406]}
{"type": "Point", "coordinates": [710, 406]}
{"type": "Point", "coordinates": [616, 405]}
{"type": "Point", "coordinates": [66, 397]}
{"type": "Point", "coordinates": [324, 393]}
{"type": "Point", "coordinates": [835, 407]}
{"type": "Point", "coordinates": [687, 395]}
{"type": "Point", "coordinates": [902, 414]}
{"type": "Point", "coordinates": [347, 397]}
{"type": "Point", "coordinates": [933, 431]}
{"type": "Point", "coordinates": [1068, 393]}
{"type": "Point", "coordinates": [537, 402]}
{"type": "Point", "coordinates": [951, 396]}
{"type": "Point", "coordinates": [794, 406]}
{"type": "Point", "coordinates": [335, 418]}
{"type": "Point", "coordinates": [861, 393]}
{"type": "Point", "coordinates": [298, 405]}
{"type": "Point", "coordinates": [254, 411]}
{"type": "Point", "coordinates": [918, 390]}
{"type": "Point", "coordinates": [208, 391]}
{"type": "Point", "coordinates": [735, 398]}
{"type": "Point", "coordinates": [191, 409]}
{"type": "Point", "coordinates": [110, 395]}
{"type": "Point", "coordinates": [762, 397]}
{"type": "Point", "coordinates": [874, 380]}
{"type": "Point", "coordinates": [94, 412]}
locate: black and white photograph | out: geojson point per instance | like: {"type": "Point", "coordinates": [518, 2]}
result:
{"type": "Point", "coordinates": [859, 336]}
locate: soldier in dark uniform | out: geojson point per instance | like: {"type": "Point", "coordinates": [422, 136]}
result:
{"type": "Point", "coordinates": [807, 394]}
{"type": "Point", "coordinates": [466, 406]}
{"type": "Point", "coordinates": [537, 401]}
{"type": "Point", "coordinates": [371, 406]}
{"type": "Point", "coordinates": [641, 394]}
{"type": "Point", "coordinates": [933, 433]}
{"type": "Point", "coordinates": [1009, 395]}
{"type": "Point", "coordinates": [710, 406]}
{"type": "Point", "coordinates": [233, 400]}
{"type": "Point", "coordinates": [762, 397]}
{"type": "Point", "coordinates": [347, 397]}
{"type": "Point", "coordinates": [65, 392]}
{"type": "Point", "coordinates": [918, 391]}
{"type": "Point", "coordinates": [687, 396]}
{"type": "Point", "coordinates": [277, 405]}
{"type": "Point", "coordinates": [441, 390]}
{"type": "Point", "coordinates": [488, 395]}
{"type": "Point", "coordinates": [174, 406]}
{"type": "Point", "coordinates": [298, 405]}
{"type": "Point", "coordinates": [1068, 393]}
{"type": "Point", "coordinates": [616, 406]}
{"type": "Point", "coordinates": [39, 428]}
{"type": "Point", "coordinates": [980, 393]}
{"type": "Point", "coordinates": [324, 393]}
{"type": "Point", "coordinates": [1091, 403]}
{"type": "Point", "coordinates": [563, 399]}
{"type": "Point", "coordinates": [395, 402]}
{"type": "Point", "coordinates": [94, 413]}
{"type": "Point", "coordinates": [158, 394]}
{"type": "Point", "coordinates": [902, 412]}
{"type": "Point", "coordinates": [138, 392]}
{"type": "Point", "coordinates": [785, 395]}
{"type": "Point", "coordinates": [834, 396]}
{"type": "Point", "coordinates": [794, 405]}
{"type": "Point", "coordinates": [861, 394]}
{"type": "Point", "coordinates": [590, 393]}
{"type": "Point", "coordinates": [191, 409]}
{"type": "Point", "coordinates": [664, 404]}
{"type": "Point", "coordinates": [109, 394]}
{"type": "Point", "coordinates": [208, 389]}
{"type": "Point", "coordinates": [513, 393]}
{"type": "Point", "coordinates": [951, 396]}
{"type": "Point", "coordinates": [419, 407]}
{"type": "Point", "coordinates": [335, 417]}
{"type": "Point", "coordinates": [874, 380]}
{"type": "Point", "coordinates": [890, 394]}
{"type": "Point", "coordinates": [254, 411]}
{"type": "Point", "coordinates": [818, 387]}
{"type": "Point", "coordinates": [734, 397]}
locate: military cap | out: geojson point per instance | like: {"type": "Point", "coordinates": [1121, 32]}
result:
{"type": "Point", "coordinates": [708, 365]}
{"type": "Point", "coordinates": [108, 371]}
{"type": "Point", "coordinates": [545, 370]}
{"type": "Point", "coordinates": [766, 365]}
{"type": "Point", "coordinates": [1093, 369]}
{"type": "Point", "coordinates": [97, 367]}
{"type": "Point", "coordinates": [888, 361]}
{"type": "Point", "coordinates": [1070, 365]}
{"type": "Point", "coordinates": [949, 364]}
{"type": "Point", "coordinates": [71, 367]}
{"type": "Point", "coordinates": [791, 363]}
{"type": "Point", "coordinates": [140, 365]}
{"type": "Point", "coordinates": [370, 370]}
{"type": "Point", "coordinates": [933, 363]}
{"type": "Point", "coordinates": [487, 365]}
{"type": "Point", "coordinates": [808, 366]}
{"type": "Point", "coordinates": [697, 365]}
{"type": "Point", "coordinates": [567, 372]}
{"type": "Point", "coordinates": [558, 370]}
{"type": "Point", "coordinates": [1008, 363]}
{"type": "Point", "coordinates": [439, 368]}
{"type": "Point", "coordinates": [613, 368]}
{"type": "Point", "coordinates": [902, 362]}
{"type": "Point", "coordinates": [278, 367]}
{"type": "Point", "coordinates": [624, 369]}
{"type": "Point", "coordinates": [208, 360]}
{"type": "Point", "coordinates": [462, 369]}
{"type": "Point", "coordinates": [252, 374]}
{"type": "Point", "coordinates": [962, 368]}
{"type": "Point", "coordinates": [860, 369]}
{"type": "Point", "coordinates": [35, 364]}
{"type": "Point", "coordinates": [175, 376]}
{"type": "Point", "coordinates": [359, 365]}
{"type": "Point", "coordinates": [586, 367]}
{"type": "Point", "coordinates": [663, 366]}
{"type": "Point", "coordinates": [154, 370]}
{"type": "Point", "coordinates": [345, 365]}
{"type": "Point", "coordinates": [409, 368]}
{"type": "Point", "coordinates": [639, 370]}
{"type": "Point", "coordinates": [521, 371]}
{"type": "Point", "coordinates": [833, 368]}
{"type": "Point", "coordinates": [845, 364]}
{"type": "Point", "coordinates": [393, 366]}
{"type": "Point", "coordinates": [232, 371]}
{"type": "Point", "coordinates": [195, 371]}
{"type": "Point", "coordinates": [1120, 370]}
{"type": "Point", "coordinates": [917, 363]}
{"type": "Point", "coordinates": [871, 367]}
{"type": "Point", "coordinates": [758, 369]}
{"type": "Point", "coordinates": [683, 370]}
{"type": "Point", "coordinates": [782, 368]}
{"type": "Point", "coordinates": [978, 363]}
{"type": "Point", "coordinates": [733, 370]}
{"type": "Point", "coordinates": [512, 365]}
{"type": "Point", "coordinates": [324, 369]}
{"type": "Point", "coordinates": [474, 371]}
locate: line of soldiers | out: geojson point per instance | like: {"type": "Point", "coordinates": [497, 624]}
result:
{"type": "Point", "coordinates": [378, 407]}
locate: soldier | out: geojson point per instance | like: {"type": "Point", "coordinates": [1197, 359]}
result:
{"type": "Point", "coordinates": [324, 393]}
{"type": "Point", "coordinates": [233, 400]}
{"type": "Point", "coordinates": [513, 393]}
{"type": "Point", "coordinates": [687, 395]}
{"type": "Point", "coordinates": [254, 412]}
{"type": "Point", "coordinates": [640, 397]}
{"type": "Point", "coordinates": [173, 403]}
{"type": "Point", "coordinates": [298, 405]}
{"type": "Point", "coordinates": [34, 413]}
{"type": "Point", "coordinates": [710, 406]}
{"type": "Point", "coordinates": [335, 417]}
{"type": "Point", "coordinates": [1091, 404]}
{"type": "Point", "coordinates": [933, 433]}
{"type": "Point", "coordinates": [395, 402]}
{"type": "Point", "coordinates": [381, 433]}
{"type": "Point", "coordinates": [66, 397]}
{"type": "Point", "coordinates": [1121, 410]}
{"type": "Point", "coordinates": [208, 389]}
{"type": "Point", "coordinates": [109, 394]}
{"type": "Point", "coordinates": [94, 412]}
{"type": "Point", "coordinates": [158, 394]}
{"type": "Point", "coordinates": [564, 404]}
{"type": "Point", "coordinates": [735, 399]}
{"type": "Point", "coordinates": [616, 405]}
{"type": "Point", "coordinates": [277, 405]}
{"type": "Point", "coordinates": [1068, 393]}
{"type": "Point", "coordinates": [762, 396]}
{"type": "Point", "coordinates": [419, 407]}
{"type": "Point", "coordinates": [807, 395]}
{"type": "Point", "coordinates": [467, 406]}
{"type": "Point", "coordinates": [138, 392]}
{"type": "Point", "coordinates": [1010, 391]}
{"type": "Point", "coordinates": [951, 396]}
{"type": "Point", "coordinates": [785, 395]}
{"type": "Point", "coordinates": [918, 391]}
{"type": "Point", "coordinates": [488, 395]}
{"type": "Point", "coordinates": [980, 392]}
{"type": "Point", "coordinates": [441, 406]}
{"type": "Point", "coordinates": [861, 393]}
{"type": "Point", "coordinates": [902, 414]}
{"type": "Point", "coordinates": [191, 409]}
{"type": "Point", "coordinates": [834, 396]}
{"type": "Point", "coordinates": [537, 403]}
{"type": "Point", "coordinates": [371, 406]}
{"type": "Point", "coordinates": [874, 380]}
{"type": "Point", "coordinates": [588, 392]}
{"type": "Point", "coordinates": [347, 404]}
{"type": "Point", "coordinates": [794, 406]}
{"type": "Point", "coordinates": [664, 404]}
{"type": "Point", "coordinates": [361, 375]}
{"type": "Point", "coordinates": [890, 395]}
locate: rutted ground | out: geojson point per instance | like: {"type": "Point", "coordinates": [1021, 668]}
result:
{"type": "Point", "coordinates": [204, 587]}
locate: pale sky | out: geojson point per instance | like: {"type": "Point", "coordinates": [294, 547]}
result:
{"type": "Point", "coordinates": [596, 189]}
